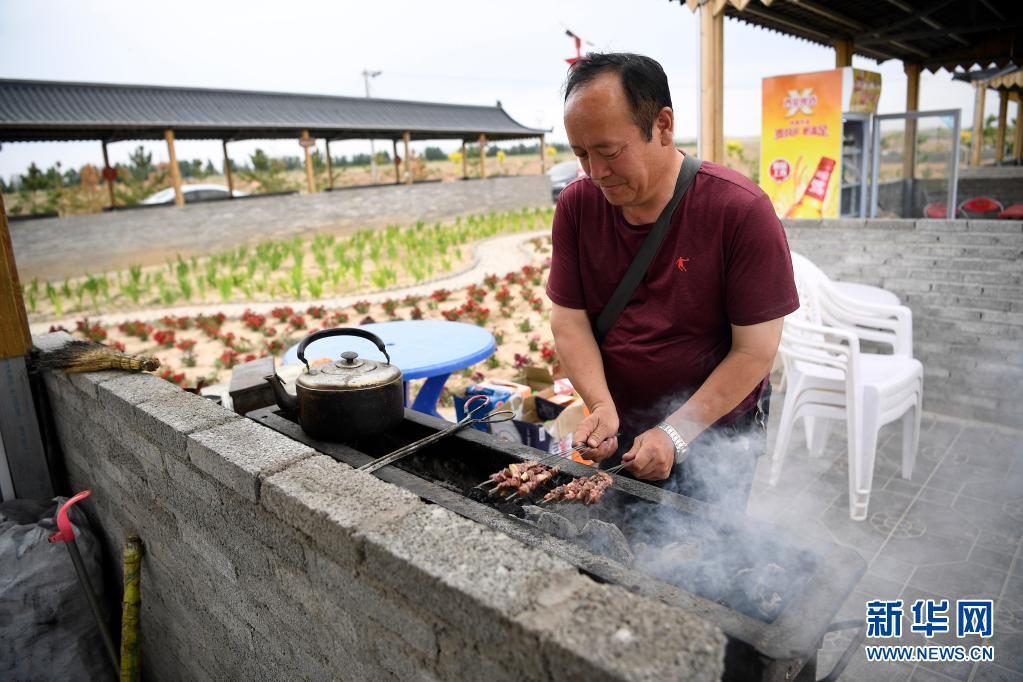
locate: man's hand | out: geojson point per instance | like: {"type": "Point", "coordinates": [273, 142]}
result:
{"type": "Point", "coordinates": [651, 456]}
{"type": "Point", "coordinates": [598, 431]}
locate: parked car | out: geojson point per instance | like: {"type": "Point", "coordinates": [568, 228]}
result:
{"type": "Point", "coordinates": [563, 173]}
{"type": "Point", "coordinates": [193, 193]}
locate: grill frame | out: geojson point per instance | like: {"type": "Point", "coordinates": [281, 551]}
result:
{"type": "Point", "coordinates": [783, 649]}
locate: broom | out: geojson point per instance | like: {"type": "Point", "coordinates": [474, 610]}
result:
{"type": "Point", "coordinates": [89, 356]}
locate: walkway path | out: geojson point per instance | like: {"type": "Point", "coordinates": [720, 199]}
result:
{"type": "Point", "coordinates": [496, 255]}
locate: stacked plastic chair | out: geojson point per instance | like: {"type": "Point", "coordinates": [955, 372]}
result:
{"type": "Point", "coordinates": [829, 378]}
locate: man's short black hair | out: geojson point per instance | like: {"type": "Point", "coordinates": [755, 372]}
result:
{"type": "Point", "coordinates": [642, 78]}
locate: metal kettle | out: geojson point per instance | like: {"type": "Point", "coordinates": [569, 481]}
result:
{"type": "Point", "coordinates": [348, 399]}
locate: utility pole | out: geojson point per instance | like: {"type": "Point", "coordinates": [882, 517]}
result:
{"type": "Point", "coordinates": [366, 75]}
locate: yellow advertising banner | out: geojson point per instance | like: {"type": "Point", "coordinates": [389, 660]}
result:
{"type": "Point", "coordinates": [801, 143]}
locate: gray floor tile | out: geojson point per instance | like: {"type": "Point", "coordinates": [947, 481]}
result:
{"type": "Point", "coordinates": [891, 569]}
{"type": "Point", "coordinates": [956, 580]}
{"type": "Point", "coordinates": [860, 670]}
{"type": "Point", "coordinates": [941, 521]}
{"type": "Point", "coordinates": [992, 440]}
{"type": "Point", "coordinates": [1003, 489]}
{"type": "Point", "coordinates": [869, 535]}
{"type": "Point", "coordinates": [986, 557]}
{"type": "Point", "coordinates": [992, 672]}
{"type": "Point", "coordinates": [999, 542]}
{"type": "Point", "coordinates": [974, 463]}
{"type": "Point", "coordinates": [996, 518]}
{"type": "Point", "coordinates": [916, 489]}
{"type": "Point", "coordinates": [925, 675]}
{"type": "Point", "coordinates": [1008, 650]}
{"type": "Point", "coordinates": [925, 549]}
{"type": "Point", "coordinates": [879, 588]}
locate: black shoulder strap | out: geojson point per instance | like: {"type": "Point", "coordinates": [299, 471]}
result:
{"type": "Point", "coordinates": [634, 275]}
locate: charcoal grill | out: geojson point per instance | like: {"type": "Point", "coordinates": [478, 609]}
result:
{"type": "Point", "coordinates": [770, 639]}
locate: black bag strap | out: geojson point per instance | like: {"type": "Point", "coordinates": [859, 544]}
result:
{"type": "Point", "coordinates": [641, 263]}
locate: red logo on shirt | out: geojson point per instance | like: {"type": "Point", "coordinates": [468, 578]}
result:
{"type": "Point", "coordinates": [681, 263]}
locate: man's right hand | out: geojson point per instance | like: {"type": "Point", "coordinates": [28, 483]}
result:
{"type": "Point", "coordinates": [599, 432]}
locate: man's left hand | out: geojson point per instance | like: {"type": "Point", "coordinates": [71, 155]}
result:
{"type": "Point", "coordinates": [651, 456]}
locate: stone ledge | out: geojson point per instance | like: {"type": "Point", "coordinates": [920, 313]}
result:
{"type": "Point", "coordinates": [168, 420]}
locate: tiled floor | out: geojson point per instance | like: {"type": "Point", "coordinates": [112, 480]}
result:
{"type": "Point", "coordinates": [953, 531]}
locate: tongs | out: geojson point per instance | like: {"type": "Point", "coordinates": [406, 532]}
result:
{"type": "Point", "coordinates": [472, 407]}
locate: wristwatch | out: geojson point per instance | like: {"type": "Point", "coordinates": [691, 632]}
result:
{"type": "Point", "coordinates": [681, 446]}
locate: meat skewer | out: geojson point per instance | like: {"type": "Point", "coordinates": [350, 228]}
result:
{"type": "Point", "coordinates": [587, 490]}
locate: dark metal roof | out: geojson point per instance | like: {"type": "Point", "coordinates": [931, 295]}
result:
{"type": "Point", "coordinates": [48, 110]}
{"type": "Point", "coordinates": [932, 33]}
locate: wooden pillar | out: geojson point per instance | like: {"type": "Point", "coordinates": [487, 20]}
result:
{"type": "Point", "coordinates": [712, 138]}
{"type": "Point", "coordinates": [227, 171]}
{"type": "Point", "coordinates": [330, 166]}
{"type": "Point", "coordinates": [1003, 110]}
{"type": "Point", "coordinates": [1017, 144]}
{"type": "Point", "coordinates": [14, 336]}
{"type": "Point", "coordinates": [483, 156]}
{"type": "Point", "coordinates": [465, 163]}
{"type": "Point", "coordinates": [912, 104]}
{"type": "Point", "coordinates": [106, 164]}
{"type": "Point", "coordinates": [843, 53]}
{"type": "Point", "coordinates": [543, 156]}
{"type": "Point", "coordinates": [406, 138]}
{"type": "Point", "coordinates": [307, 145]}
{"type": "Point", "coordinates": [977, 140]}
{"type": "Point", "coordinates": [179, 196]}
{"type": "Point", "coordinates": [397, 166]}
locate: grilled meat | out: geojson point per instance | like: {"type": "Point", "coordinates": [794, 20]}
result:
{"type": "Point", "coordinates": [587, 490]}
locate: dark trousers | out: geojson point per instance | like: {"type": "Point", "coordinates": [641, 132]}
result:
{"type": "Point", "coordinates": [721, 461]}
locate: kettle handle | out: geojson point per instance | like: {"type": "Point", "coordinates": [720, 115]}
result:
{"type": "Point", "coordinates": [339, 331]}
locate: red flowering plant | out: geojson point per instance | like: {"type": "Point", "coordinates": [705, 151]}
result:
{"type": "Point", "coordinates": [490, 281]}
{"type": "Point", "coordinates": [534, 342]}
{"type": "Point", "coordinates": [164, 337]}
{"type": "Point", "coordinates": [522, 360]}
{"type": "Point", "coordinates": [118, 345]}
{"type": "Point", "coordinates": [297, 322]}
{"type": "Point", "coordinates": [548, 353]}
{"type": "Point", "coordinates": [452, 315]}
{"type": "Point", "coordinates": [273, 347]}
{"type": "Point", "coordinates": [536, 303]}
{"type": "Point", "coordinates": [476, 312]}
{"type": "Point", "coordinates": [282, 313]}
{"type": "Point", "coordinates": [440, 295]}
{"type": "Point", "coordinates": [136, 328]}
{"type": "Point", "coordinates": [253, 321]}
{"type": "Point", "coordinates": [362, 307]}
{"type": "Point", "coordinates": [93, 332]}
{"type": "Point", "coordinates": [503, 296]}
{"type": "Point", "coordinates": [172, 322]}
{"type": "Point", "coordinates": [526, 293]}
{"type": "Point", "coordinates": [185, 345]}
{"type": "Point", "coordinates": [173, 377]}
{"type": "Point", "coordinates": [227, 359]}
{"type": "Point", "coordinates": [390, 306]}
{"type": "Point", "coordinates": [475, 293]}
{"type": "Point", "coordinates": [316, 312]}
{"type": "Point", "coordinates": [411, 300]}
{"type": "Point", "coordinates": [210, 324]}
{"type": "Point", "coordinates": [337, 318]}
{"type": "Point", "coordinates": [416, 314]}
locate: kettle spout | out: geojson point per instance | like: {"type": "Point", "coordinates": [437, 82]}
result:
{"type": "Point", "coordinates": [285, 400]}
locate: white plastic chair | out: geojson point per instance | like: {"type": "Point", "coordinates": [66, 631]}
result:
{"type": "Point", "coordinates": [829, 378]}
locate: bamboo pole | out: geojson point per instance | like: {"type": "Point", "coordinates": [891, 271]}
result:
{"type": "Point", "coordinates": [465, 163]}
{"type": "Point", "coordinates": [1003, 110]}
{"type": "Point", "coordinates": [106, 164]}
{"type": "Point", "coordinates": [912, 104]}
{"type": "Point", "coordinates": [406, 138]}
{"type": "Point", "coordinates": [310, 183]}
{"type": "Point", "coordinates": [15, 339]}
{"type": "Point", "coordinates": [179, 196]}
{"type": "Point", "coordinates": [543, 156]}
{"type": "Point", "coordinates": [712, 143]}
{"type": "Point", "coordinates": [130, 611]}
{"type": "Point", "coordinates": [227, 171]}
{"type": "Point", "coordinates": [397, 166]}
{"type": "Point", "coordinates": [977, 140]}
{"type": "Point", "coordinates": [330, 167]}
{"type": "Point", "coordinates": [843, 53]}
{"type": "Point", "coordinates": [483, 156]}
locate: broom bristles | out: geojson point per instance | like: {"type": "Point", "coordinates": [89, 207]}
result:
{"type": "Point", "coordinates": [88, 356]}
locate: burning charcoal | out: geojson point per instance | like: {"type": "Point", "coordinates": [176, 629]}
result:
{"type": "Point", "coordinates": [607, 540]}
{"type": "Point", "coordinates": [760, 586]}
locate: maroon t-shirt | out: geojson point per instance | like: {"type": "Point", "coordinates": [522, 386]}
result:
{"type": "Point", "coordinates": [725, 260]}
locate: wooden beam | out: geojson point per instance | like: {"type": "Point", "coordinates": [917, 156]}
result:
{"type": "Point", "coordinates": [712, 143]}
{"type": "Point", "coordinates": [397, 164]}
{"type": "Point", "coordinates": [465, 163]}
{"type": "Point", "coordinates": [543, 156]}
{"type": "Point", "coordinates": [406, 138]}
{"type": "Point", "coordinates": [227, 171]}
{"type": "Point", "coordinates": [912, 104]}
{"type": "Point", "coordinates": [977, 139]}
{"type": "Point", "coordinates": [310, 181]}
{"type": "Point", "coordinates": [179, 196]}
{"type": "Point", "coordinates": [1017, 144]}
{"type": "Point", "coordinates": [483, 156]}
{"type": "Point", "coordinates": [14, 336]}
{"type": "Point", "coordinates": [106, 164]}
{"type": "Point", "coordinates": [843, 53]}
{"type": "Point", "coordinates": [330, 166]}
{"type": "Point", "coordinates": [1003, 110]}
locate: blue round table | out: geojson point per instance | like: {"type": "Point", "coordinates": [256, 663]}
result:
{"type": "Point", "coordinates": [430, 349]}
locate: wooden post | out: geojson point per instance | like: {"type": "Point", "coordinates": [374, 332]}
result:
{"type": "Point", "coordinates": [483, 156]}
{"type": "Point", "coordinates": [1017, 144]}
{"type": "Point", "coordinates": [179, 196]}
{"type": "Point", "coordinates": [543, 156]}
{"type": "Point", "coordinates": [310, 182]}
{"type": "Point", "coordinates": [712, 21]}
{"type": "Point", "coordinates": [912, 104]}
{"type": "Point", "coordinates": [227, 171]}
{"type": "Point", "coordinates": [14, 337]}
{"type": "Point", "coordinates": [465, 163]}
{"type": "Point", "coordinates": [977, 140]}
{"type": "Point", "coordinates": [330, 167]}
{"type": "Point", "coordinates": [397, 166]}
{"type": "Point", "coordinates": [406, 138]}
{"type": "Point", "coordinates": [106, 164]}
{"type": "Point", "coordinates": [1003, 110]}
{"type": "Point", "coordinates": [843, 53]}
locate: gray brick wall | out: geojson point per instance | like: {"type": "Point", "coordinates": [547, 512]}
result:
{"type": "Point", "coordinates": [962, 279]}
{"type": "Point", "coordinates": [265, 560]}
{"type": "Point", "coordinates": [62, 247]}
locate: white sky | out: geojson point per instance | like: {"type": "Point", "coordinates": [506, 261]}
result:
{"type": "Point", "coordinates": [463, 51]}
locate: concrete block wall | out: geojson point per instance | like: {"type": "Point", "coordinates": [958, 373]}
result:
{"type": "Point", "coordinates": [963, 280]}
{"type": "Point", "coordinates": [266, 560]}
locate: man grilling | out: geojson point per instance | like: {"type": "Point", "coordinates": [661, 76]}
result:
{"type": "Point", "coordinates": [683, 371]}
